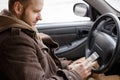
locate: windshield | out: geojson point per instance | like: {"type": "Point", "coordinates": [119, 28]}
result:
{"type": "Point", "coordinates": [114, 3]}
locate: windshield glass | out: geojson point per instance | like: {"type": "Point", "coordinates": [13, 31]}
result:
{"type": "Point", "coordinates": [114, 3]}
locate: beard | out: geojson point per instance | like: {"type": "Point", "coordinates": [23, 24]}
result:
{"type": "Point", "coordinates": [23, 16]}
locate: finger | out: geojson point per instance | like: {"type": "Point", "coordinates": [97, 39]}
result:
{"type": "Point", "coordinates": [93, 63]}
{"type": "Point", "coordinates": [70, 66]}
{"type": "Point", "coordinates": [86, 62]}
{"type": "Point", "coordinates": [90, 64]}
{"type": "Point", "coordinates": [87, 73]}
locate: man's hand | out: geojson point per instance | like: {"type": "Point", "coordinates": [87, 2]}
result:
{"type": "Point", "coordinates": [82, 67]}
{"type": "Point", "coordinates": [76, 62]}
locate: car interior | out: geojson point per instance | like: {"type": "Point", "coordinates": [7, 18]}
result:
{"type": "Point", "coordinates": [100, 34]}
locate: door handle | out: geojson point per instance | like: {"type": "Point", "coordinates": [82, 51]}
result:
{"type": "Point", "coordinates": [83, 33]}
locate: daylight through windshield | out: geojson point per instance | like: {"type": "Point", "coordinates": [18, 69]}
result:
{"type": "Point", "coordinates": [114, 3]}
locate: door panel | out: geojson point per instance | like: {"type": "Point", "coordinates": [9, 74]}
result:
{"type": "Point", "coordinates": [70, 36]}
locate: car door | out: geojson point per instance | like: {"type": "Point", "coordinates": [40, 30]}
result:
{"type": "Point", "coordinates": [71, 37]}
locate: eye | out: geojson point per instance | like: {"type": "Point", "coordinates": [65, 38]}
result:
{"type": "Point", "coordinates": [36, 11]}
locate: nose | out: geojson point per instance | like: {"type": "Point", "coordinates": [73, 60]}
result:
{"type": "Point", "coordinates": [39, 17]}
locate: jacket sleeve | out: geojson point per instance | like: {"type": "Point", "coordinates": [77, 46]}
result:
{"type": "Point", "coordinates": [65, 62]}
{"type": "Point", "coordinates": [51, 44]}
{"type": "Point", "coordinates": [20, 62]}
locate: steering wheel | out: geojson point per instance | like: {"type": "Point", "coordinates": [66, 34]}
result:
{"type": "Point", "coordinates": [105, 41]}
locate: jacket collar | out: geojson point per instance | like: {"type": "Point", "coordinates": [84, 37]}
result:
{"type": "Point", "coordinates": [7, 20]}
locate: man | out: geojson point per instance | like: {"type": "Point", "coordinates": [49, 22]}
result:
{"type": "Point", "coordinates": [28, 55]}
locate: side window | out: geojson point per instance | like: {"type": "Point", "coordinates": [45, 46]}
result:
{"type": "Point", "coordinates": [55, 11]}
{"type": "Point", "coordinates": [60, 11]}
{"type": "Point", "coordinates": [3, 4]}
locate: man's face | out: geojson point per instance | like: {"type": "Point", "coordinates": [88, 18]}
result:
{"type": "Point", "coordinates": [32, 13]}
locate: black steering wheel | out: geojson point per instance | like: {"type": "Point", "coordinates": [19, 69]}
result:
{"type": "Point", "coordinates": [104, 39]}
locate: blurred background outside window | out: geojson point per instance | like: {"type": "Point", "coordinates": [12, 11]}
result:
{"type": "Point", "coordinates": [55, 11]}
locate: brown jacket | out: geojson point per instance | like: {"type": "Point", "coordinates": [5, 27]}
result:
{"type": "Point", "coordinates": [23, 55]}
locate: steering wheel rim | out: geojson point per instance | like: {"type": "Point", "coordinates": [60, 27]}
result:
{"type": "Point", "coordinates": [93, 38]}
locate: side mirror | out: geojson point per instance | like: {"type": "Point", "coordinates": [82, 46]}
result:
{"type": "Point", "coordinates": [81, 9]}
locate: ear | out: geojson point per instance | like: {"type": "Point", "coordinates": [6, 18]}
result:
{"type": "Point", "coordinates": [18, 8]}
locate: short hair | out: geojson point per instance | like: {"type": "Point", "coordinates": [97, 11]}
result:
{"type": "Point", "coordinates": [23, 2]}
